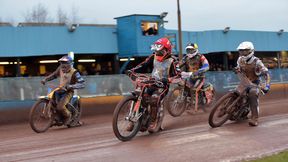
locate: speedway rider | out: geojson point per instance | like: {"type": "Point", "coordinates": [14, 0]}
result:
{"type": "Point", "coordinates": [70, 79]}
{"type": "Point", "coordinates": [253, 68]}
{"type": "Point", "coordinates": [163, 69]}
{"type": "Point", "coordinates": [194, 66]}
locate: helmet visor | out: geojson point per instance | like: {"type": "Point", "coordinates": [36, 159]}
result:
{"type": "Point", "coordinates": [65, 66]}
{"type": "Point", "coordinates": [244, 52]}
{"type": "Point", "coordinates": [161, 52]}
{"type": "Point", "coordinates": [190, 50]}
{"type": "Point", "coordinates": [157, 47]}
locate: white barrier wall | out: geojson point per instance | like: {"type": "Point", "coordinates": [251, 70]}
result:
{"type": "Point", "coordinates": [30, 88]}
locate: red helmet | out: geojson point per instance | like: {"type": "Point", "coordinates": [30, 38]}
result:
{"type": "Point", "coordinates": [162, 48]}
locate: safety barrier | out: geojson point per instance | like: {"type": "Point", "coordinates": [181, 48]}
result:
{"type": "Point", "coordinates": [29, 88]}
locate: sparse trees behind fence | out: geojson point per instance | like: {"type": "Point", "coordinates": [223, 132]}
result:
{"type": "Point", "coordinates": [40, 14]}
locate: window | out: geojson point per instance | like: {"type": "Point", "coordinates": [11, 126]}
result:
{"type": "Point", "coordinates": [149, 28]}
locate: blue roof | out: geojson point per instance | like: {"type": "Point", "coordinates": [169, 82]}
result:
{"type": "Point", "coordinates": [125, 39]}
{"type": "Point", "coordinates": [218, 41]}
{"type": "Point", "coordinates": [47, 40]}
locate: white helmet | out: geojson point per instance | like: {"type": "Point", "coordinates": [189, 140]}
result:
{"type": "Point", "coordinates": [246, 50]}
{"type": "Point", "coordinates": [191, 49]}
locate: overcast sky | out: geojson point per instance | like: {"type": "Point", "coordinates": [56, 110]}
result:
{"type": "Point", "coordinates": [197, 15]}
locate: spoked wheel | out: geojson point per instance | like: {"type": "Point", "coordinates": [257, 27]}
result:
{"type": "Point", "coordinates": [40, 117]}
{"type": "Point", "coordinates": [219, 114]}
{"type": "Point", "coordinates": [121, 122]}
{"type": "Point", "coordinates": [176, 102]}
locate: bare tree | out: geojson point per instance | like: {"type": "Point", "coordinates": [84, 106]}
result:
{"type": "Point", "coordinates": [74, 18]}
{"type": "Point", "coordinates": [39, 14]}
{"type": "Point", "coordinates": [62, 16]}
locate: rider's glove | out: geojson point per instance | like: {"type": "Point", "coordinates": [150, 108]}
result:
{"type": "Point", "coordinates": [185, 75]}
{"type": "Point", "coordinates": [236, 70]}
{"type": "Point", "coordinates": [128, 72]}
{"type": "Point", "coordinates": [43, 81]}
{"type": "Point", "coordinates": [164, 81]}
{"type": "Point", "coordinates": [266, 89]}
{"type": "Point", "coordinates": [68, 87]}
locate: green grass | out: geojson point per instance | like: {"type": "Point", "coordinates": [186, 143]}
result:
{"type": "Point", "coordinates": [280, 157]}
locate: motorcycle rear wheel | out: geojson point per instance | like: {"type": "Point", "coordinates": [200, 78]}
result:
{"type": "Point", "coordinates": [76, 114]}
{"type": "Point", "coordinates": [176, 103]}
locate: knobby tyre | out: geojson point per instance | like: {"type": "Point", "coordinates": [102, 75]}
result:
{"type": "Point", "coordinates": [219, 114]}
{"type": "Point", "coordinates": [120, 124]}
{"type": "Point", "coordinates": [40, 117]}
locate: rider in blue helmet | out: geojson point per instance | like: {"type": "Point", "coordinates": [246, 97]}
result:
{"type": "Point", "coordinates": [70, 79]}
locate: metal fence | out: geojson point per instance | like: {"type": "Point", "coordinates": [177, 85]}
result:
{"type": "Point", "coordinates": [29, 88]}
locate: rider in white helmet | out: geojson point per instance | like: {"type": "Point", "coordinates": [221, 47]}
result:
{"type": "Point", "coordinates": [253, 68]}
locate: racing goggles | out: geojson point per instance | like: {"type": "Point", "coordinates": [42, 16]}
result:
{"type": "Point", "coordinates": [244, 52]}
{"type": "Point", "coordinates": [190, 50]}
{"type": "Point", "coordinates": [157, 47]}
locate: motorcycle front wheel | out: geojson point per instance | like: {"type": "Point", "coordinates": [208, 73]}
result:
{"type": "Point", "coordinates": [121, 120]}
{"type": "Point", "coordinates": [219, 113]}
{"type": "Point", "coordinates": [41, 117]}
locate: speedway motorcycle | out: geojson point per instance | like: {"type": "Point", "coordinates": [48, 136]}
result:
{"type": "Point", "coordinates": [138, 108]}
{"type": "Point", "coordinates": [184, 97]}
{"type": "Point", "coordinates": [234, 105]}
{"type": "Point", "coordinates": [44, 114]}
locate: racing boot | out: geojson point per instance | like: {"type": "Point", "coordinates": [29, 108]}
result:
{"type": "Point", "coordinates": [254, 117]}
{"type": "Point", "coordinates": [67, 117]}
{"type": "Point", "coordinates": [253, 122]}
{"type": "Point", "coordinates": [253, 102]}
{"type": "Point", "coordinates": [153, 122]}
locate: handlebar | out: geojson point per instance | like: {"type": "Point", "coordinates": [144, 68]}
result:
{"type": "Point", "coordinates": [54, 86]}
{"type": "Point", "coordinates": [246, 82]}
{"type": "Point", "coordinates": [143, 79]}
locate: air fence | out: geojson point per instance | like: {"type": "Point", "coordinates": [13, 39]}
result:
{"type": "Point", "coordinates": [30, 88]}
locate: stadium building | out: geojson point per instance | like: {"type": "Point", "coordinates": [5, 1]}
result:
{"type": "Point", "coordinates": [32, 49]}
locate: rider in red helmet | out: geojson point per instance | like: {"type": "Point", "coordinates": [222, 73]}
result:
{"type": "Point", "coordinates": [162, 49]}
{"type": "Point", "coordinates": [164, 68]}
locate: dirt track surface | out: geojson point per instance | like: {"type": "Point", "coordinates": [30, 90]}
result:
{"type": "Point", "coordinates": [186, 138]}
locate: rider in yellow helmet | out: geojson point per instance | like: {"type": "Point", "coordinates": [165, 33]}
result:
{"type": "Point", "coordinates": [194, 66]}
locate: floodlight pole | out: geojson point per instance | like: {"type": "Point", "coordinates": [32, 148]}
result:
{"type": "Point", "coordinates": [179, 31]}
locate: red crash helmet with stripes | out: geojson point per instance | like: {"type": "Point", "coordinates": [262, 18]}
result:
{"type": "Point", "coordinates": [162, 48]}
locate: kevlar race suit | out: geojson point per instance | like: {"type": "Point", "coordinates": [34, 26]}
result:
{"type": "Point", "coordinates": [253, 68]}
{"type": "Point", "coordinates": [71, 80]}
{"type": "Point", "coordinates": [161, 71]}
